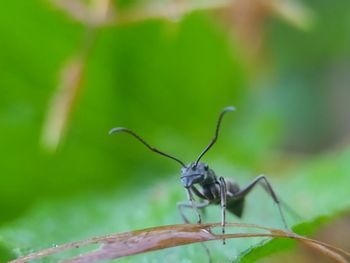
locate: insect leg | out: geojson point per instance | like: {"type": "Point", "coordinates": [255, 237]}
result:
{"type": "Point", "coordinates": [267, 186]}
{"type": "Point", "coordinates": [198, 193]}
{"type": "Point", "coordinates": [223, 192]}
{"type": "Point", "coordinates": [194, 206]}
{"type": "Point", "coordinates": [187, 204]}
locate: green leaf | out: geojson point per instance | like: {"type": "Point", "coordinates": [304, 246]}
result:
{"type": "Point", "coordinates": [93, 214]}
{"type": "Point", "coordinates": [278, 245]}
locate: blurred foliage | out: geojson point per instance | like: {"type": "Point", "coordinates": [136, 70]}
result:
{"type": "Point", "coordinates": [167, 80]}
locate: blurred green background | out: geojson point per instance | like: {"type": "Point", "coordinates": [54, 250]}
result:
{"type": "Point", "coordinates": [284, 65]}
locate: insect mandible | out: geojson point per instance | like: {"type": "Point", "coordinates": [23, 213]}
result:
{"type": "Point", "coordinates": [200, 180]}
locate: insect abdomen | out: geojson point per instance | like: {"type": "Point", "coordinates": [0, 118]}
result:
{"type": "Point", "coordinates": [235, 206]}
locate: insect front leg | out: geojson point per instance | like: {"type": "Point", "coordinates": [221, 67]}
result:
{"type": "Point", "coordinates": [188, 204]}
{"type": "Point", "coordinates": [268, 188]}
{"type": "Point", "coordinates": [195, 208]}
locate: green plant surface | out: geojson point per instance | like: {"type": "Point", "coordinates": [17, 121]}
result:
{"type": "Point", "coordinates": [93, 214]}
{"type": "Point", "coordinates": [269, 247]}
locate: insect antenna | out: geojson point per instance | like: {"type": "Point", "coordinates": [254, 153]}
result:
{"type": "Point", "coordinates": [227, 109]}
{"type": "Point", "coordinates": [120, 129]}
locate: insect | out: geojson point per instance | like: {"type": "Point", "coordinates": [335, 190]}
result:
{"type": "Point", "coordinates": [200, 180]}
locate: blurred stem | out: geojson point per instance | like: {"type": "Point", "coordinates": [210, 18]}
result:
{"type": "Point", "coordinates": [71, 80]}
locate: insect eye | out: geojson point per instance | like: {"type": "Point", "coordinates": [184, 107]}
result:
{"type": "Point", "coordinates": [193, 168]}
{"type": "Point", "coordinates": [206, 167]}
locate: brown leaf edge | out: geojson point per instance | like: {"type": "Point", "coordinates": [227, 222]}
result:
{"type": "Point", "coordinates": [140, 241]}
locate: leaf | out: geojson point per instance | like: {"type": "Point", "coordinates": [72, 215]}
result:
{"type": "Point", "coordinates": [96, 214]}
{"type": "Point", "coordinates": [277, 245]}
{"type": "Point", "coordinates": [125, 244]}
{"type": "Point", "coordinates": [320, 196]}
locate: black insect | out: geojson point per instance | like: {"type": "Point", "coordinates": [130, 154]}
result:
{"type": "Point", "coordinates": [211, 189]}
